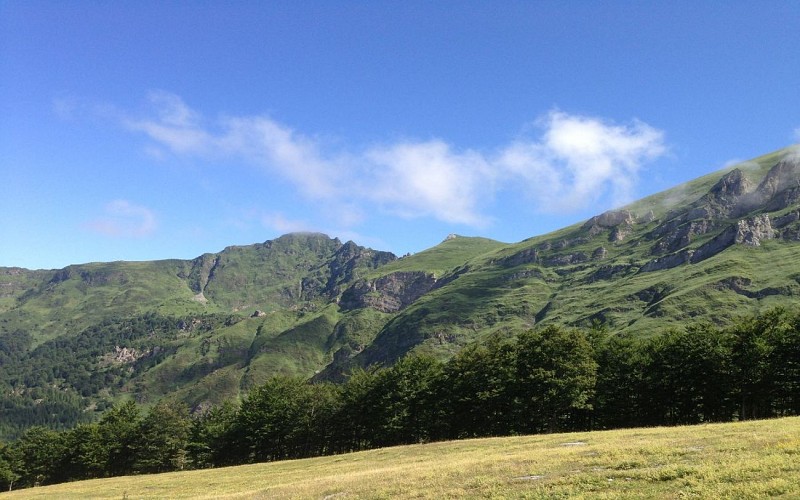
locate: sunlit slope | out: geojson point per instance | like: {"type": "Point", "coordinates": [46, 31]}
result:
{"type": "Point", "coordinates": [754, 459]}
{"type": "Point", "coordinates": [721, 246]}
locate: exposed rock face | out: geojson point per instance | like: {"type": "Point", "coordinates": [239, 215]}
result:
{"type": "Point", "coordinates": [347, 259]}
{"type": "Point", "coordinates": [735, 283]}
{"type": "Point", "coordinates": [609, 272]}
{"type": "Point", "coordinates": [730, 187]}
{"type": "Point", "coordinates": [724, 199]}
{"type": "Point", "coordinates": [786, 219]}
{"type": "Point", "coordinates": [125, 355]}
{"type": "Point", "coordinates": [783, 176]}
{"type": "Point", "coordinates": [565, 260]}
{"type": "Point", "coordinates": [653, 294]}
{"type": "Point", "coordinates": [611, 218]}
{"type": "Point", "coordinates": [389, 293]}
{"type": "Point", "coordinates": [668, 261]}
{"type": "Point", "coordinates": [781, 186]}
{"type": "Point", "coordinates": [527, 256]}
{"type": "Point", "coordinates": [61, 275]}
{"type": "Point", "coordinates": [739, 285]}
{"type": "Point", "coordinates": [619, 221]}
{"type": "Point", "coordinates": [681, 236]}
{"type": "Point", "coordinates": [527, 273]}
{"type": "Point", "coordinates": [715, 246]}
{"type": "Point", "coordinates": [751, 232]}
{"type": "Point", "coordinates": [202, 271]}
{"type": "Point", "coordinates": [620, 232]}
{"type": "Point", "coordinates": [784, 199]}
{"type": "Point", "coordinates": [599, 253]}
{"type": "Point", "coordinates": [732, 196]}
{"type": "Point", "coordinates": [560, 245]}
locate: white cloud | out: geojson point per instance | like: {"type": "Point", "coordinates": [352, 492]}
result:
{"type": "Point", "coordinates": [428, 179]}
{"type": "Point", "coordinates": [283, 151]}
{"type": "Point", "coordinates": [255, 139]}
{"type": "Point", "coordinates": [176, 127]}
{"type": "Point", "coordinates": [172, 110]}
{"type": "Point", "coordinates": [576, 160]}
{"type": "Point", "coordinates": [122, 218]}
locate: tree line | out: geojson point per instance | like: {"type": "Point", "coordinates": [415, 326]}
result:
{"type": "Point", "coordinates": [551, 379]}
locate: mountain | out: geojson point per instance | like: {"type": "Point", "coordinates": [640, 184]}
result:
{"type": "Point", "coordinates": [721, 246]}
{"type": "Point", "coordinates": [80, 338]}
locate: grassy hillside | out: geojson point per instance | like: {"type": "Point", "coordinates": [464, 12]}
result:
{"type": "Point", "coordinates": [753, 459]}
{"type": "Point", "coordinates": [722, 246]}
{"type": "Point", "coordinates": [204, 330]}
{"type": "Point", "coordinates": [666, 261]}
{"type": "Point", "coordinates": [452, 253]}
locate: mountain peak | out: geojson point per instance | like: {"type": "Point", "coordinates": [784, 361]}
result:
{"type": "Point", "coordinates": [783, 176]}
{"type": "Point", "coordinates": [732, 184]}
{"type": "Point", "coordinates": [298, 236]}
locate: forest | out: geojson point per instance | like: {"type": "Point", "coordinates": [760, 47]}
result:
{"type": "Point", "coordinates": [550, 379]}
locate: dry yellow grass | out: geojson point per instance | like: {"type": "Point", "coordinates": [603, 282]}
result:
{"type": "Point", "coordinates": [738, 460]}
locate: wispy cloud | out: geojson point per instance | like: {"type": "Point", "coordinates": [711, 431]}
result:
{"type": "Point", "coordinates": [278, 222]}
{"type": "Point", "coordinates": [122, 218]}
{"type": "Point", "coordinates": [578, 159]}
{"type": "Point", "coordinates": [175, 126]}
{"type": "Point", "coordinates": [65, 107]}
{"type": "Point", "coordinates": [283, 151]}
{"type": "Point", "coordinates": [797, 135]}
{"type": "Point", "coordinates": [572, 162]}
{"type": "Point", "coordinates": [428, 179]}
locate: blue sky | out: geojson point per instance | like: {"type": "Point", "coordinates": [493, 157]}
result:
{"type": "Point", "coordinates": [148, 130]}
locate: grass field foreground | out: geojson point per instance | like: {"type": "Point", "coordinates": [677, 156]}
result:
{"type": "Point", "coordinates": [753, 459]}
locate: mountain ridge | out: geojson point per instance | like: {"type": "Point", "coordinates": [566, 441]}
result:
{"type": "Point", "coordinates": [208, 328]}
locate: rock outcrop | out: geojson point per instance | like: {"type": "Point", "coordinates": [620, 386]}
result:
{"type": "Point", "coordinates": [389, 293]}
{"type": "Point", "coordinates": [668, 261]}
{"type": "Point", "coordinates": [565, 259]}
{"type": "Point", "coordinates": [732, 197]}
{"type": "Point", "coordinates": [752, 232]}
{"type": "Point", "coordinates": [681, 236]}
{"type": "Point", "coordinates": [527, 256]}
{"type": "Point", "coordinates": [785, 176]}
{"type": "Point", "coordinates": [611, 218]}
{"type": "Point", "coordinates": [609, 272]}
{"type": "Point", "coordinates": [599, 253]}
{"type": "Point", "coordinates": [748, 232]}
{"type": "Point", "coordinates": [620, 222]}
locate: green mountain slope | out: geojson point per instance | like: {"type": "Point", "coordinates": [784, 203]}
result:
{"type": "Point", "coordinates": [208, 329]}
{"type": "Point", "coordinates": [724, 245]}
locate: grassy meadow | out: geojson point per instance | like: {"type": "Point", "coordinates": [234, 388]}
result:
{"type": "Point", "coordinates": [753, 459]}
